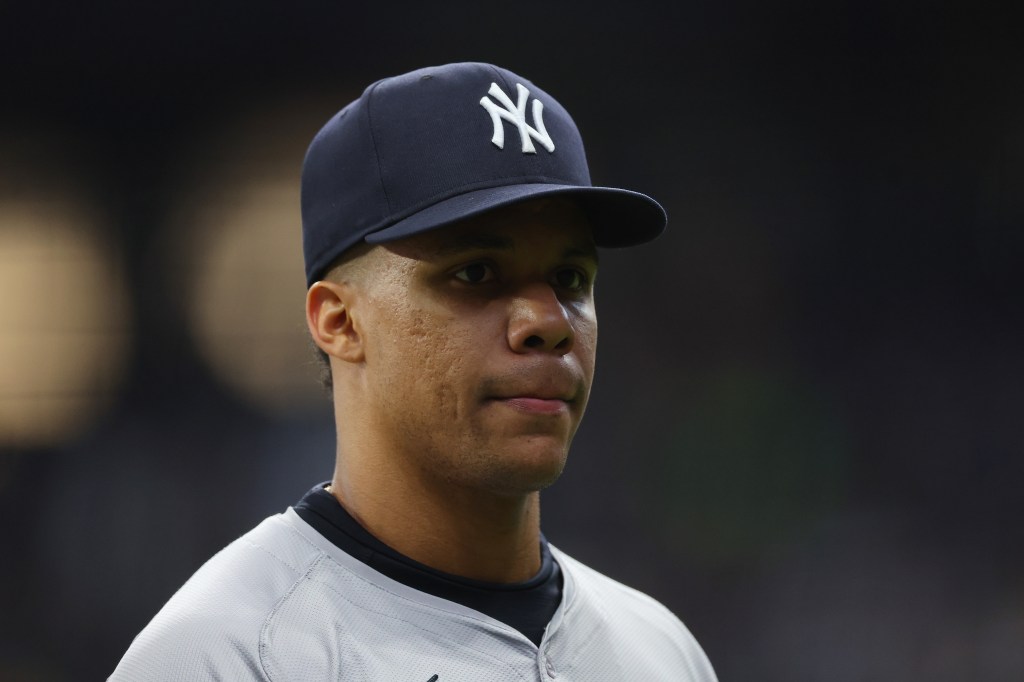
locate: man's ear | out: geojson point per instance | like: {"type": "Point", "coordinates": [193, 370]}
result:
{"type": "Point", "coordinates": [330, 321]}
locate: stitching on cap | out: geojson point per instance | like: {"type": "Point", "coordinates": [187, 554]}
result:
{"type": "Point", "coordinates": [373, 138]}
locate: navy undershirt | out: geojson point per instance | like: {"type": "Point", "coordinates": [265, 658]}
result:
{"type": "Point", "coordinates": [526, 606]}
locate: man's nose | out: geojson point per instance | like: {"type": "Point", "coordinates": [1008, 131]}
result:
{"type": "Point", "coordinates": [539, 322]}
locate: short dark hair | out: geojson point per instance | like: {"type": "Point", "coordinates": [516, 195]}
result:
{"type": "Point", "coordinates": [324, 363]}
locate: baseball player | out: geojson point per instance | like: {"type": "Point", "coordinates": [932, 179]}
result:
{"type": "Point", "coordinates": [450, 234]}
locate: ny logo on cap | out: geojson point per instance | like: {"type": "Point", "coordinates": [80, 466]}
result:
{"type": "Point", "coordinates": [516, 115]}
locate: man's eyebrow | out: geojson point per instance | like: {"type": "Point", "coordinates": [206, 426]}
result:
{"type": "Point", "coordinates": [461, 243]}
{"type": "Point", "coordinates": [582, 252]}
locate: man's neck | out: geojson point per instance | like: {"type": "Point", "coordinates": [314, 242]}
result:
{"type": "Point", "coordinates": [467, 533]}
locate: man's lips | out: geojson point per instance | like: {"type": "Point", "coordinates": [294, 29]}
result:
{"type": "Point", "coordinates": [536, 405]}
{"type": "Point", "coordinates": [543, 389]}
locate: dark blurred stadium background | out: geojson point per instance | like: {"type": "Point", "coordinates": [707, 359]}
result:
{"type": "Point", "coordinates": [806, 434]}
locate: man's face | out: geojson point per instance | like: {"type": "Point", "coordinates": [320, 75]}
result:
{"type": "Point", "coordinates": [480, 341]}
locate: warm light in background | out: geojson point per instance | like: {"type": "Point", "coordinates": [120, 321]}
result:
{"type": "Point", "coordinates": [246, 299]}
{"type": "Point", "coordinates": [64, 325]}
{"type": "Point", "coordinates": [239, 251]}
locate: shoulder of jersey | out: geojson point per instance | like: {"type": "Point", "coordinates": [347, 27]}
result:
{"type": "Point", "coordinates": [210, 628]}
{"type": "Point", "coordinates": [634, 622]}
{"type": "Point", "coordinates": [610, 593]}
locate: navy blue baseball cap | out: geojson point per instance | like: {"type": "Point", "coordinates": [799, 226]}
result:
{"type": "Point", "coordinates": [425, 149]}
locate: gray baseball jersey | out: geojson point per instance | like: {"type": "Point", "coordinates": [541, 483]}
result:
{"type": "Point", "coordinates": [284, 603]}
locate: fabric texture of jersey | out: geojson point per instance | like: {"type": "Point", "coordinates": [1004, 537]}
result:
{"type": "Point", "coordinates": [284, 603]}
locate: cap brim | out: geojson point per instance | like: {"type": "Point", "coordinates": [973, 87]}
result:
{"type": "Point", "coordinates": [619, 217]}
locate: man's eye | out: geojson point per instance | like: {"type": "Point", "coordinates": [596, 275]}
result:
{"type": "Point", "coordinates": [476, 273]}
{"type": "Point", "coordinates": [574, 280]}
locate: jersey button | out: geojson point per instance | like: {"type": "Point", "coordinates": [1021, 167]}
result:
{"type": "Point", "coordinates": [549, 667]}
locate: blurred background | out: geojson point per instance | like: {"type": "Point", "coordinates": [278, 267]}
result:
{"type": "Point", "coordinates": [806, 432]}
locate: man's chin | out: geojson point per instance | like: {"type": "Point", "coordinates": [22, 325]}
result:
{"type": "Point", "coordinates": [530, 467]}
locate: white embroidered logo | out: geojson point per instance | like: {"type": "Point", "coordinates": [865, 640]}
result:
{"type": "Point", "coordinates": [516, 115]}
